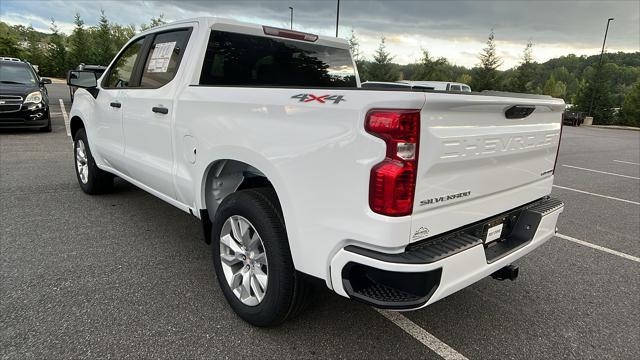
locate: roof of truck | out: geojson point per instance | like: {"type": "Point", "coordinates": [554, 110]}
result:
{"type": "Point", "coordinates": [231, 25]}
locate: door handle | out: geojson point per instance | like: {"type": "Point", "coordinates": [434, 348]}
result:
{"type": "Point", "coordinates": [116, 105]}
{"type": "Point", "coordinates": [160, 110]}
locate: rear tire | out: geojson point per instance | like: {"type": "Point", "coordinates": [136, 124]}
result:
{"type": "Point", "coordinates": [285, 292]}
{"type": "Point", "coordinates": [92, 180]}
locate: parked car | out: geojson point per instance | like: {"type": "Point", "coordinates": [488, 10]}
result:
{"type": "Point", "coordinates": [393, 198]}
{"type": "Point", "coordinates": [24, 102]}
{"type": "Point", "coordinates": [439, 85]}
{"type": "Point", "coordinates": [573, 118]}
{"type": "Point", "coordinates": [97, 71]}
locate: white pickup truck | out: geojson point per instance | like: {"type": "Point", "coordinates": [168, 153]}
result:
{"type": "Point", "coordinates": [394, 198]}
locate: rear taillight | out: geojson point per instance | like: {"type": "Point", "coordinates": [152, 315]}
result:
{"type": "Point", "coordinates": [393, 181]}
{"type": "Point", "coordinates": [559, 140]}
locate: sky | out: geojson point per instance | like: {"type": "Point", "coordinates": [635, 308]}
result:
{"type": "Point", "coordinates": [456, 30]}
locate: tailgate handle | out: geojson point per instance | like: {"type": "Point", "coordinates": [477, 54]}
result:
{"type": "Point", "coordinates": [519, 111]}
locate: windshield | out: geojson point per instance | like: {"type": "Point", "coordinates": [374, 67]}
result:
{"type": "Point", "coordinates": [16, 73]}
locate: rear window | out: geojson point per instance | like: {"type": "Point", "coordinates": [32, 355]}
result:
{"type": "Point", "coordinates": [247, 60]}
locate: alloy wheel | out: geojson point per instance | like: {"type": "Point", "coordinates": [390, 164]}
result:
{"type": "Point", "coordinates": [82, 162]}
{"type": "Point", "coordinates": [244, 260]}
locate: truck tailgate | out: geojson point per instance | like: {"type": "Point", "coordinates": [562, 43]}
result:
{"type": "Point", "coordinates": [474, 162]}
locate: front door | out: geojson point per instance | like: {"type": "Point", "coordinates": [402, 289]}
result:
{"type": "Point", "coordinates": [108, 137]}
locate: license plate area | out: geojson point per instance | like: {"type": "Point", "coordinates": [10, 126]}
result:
{"type": "Point", "coordinates": [493, 231]}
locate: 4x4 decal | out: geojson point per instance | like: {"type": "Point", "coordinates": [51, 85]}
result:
{"type": "Point", "coordinates": [321, 99]}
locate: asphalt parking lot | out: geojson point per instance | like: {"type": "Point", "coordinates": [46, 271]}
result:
{"type": "Point", "coordinates": [126, 275]}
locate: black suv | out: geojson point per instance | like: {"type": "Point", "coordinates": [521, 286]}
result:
{"type": "Point", "coordinates": [24, 101]}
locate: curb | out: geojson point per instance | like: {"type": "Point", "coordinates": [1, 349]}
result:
{"type": "Point", "coordinates": [615, 127]}
{"type": "Point", "coordinates": [58, 81]}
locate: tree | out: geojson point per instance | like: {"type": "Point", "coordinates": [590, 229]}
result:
{"type": "Point", "coordinates": [354, 45]}
{"type": "Point", "coordinates": [554, 87]}
{"type": "Point", "coordinates": [80, 48]}
{"type": "Point", "coordinates": [56, 64]}
{"type": "Point", "coordinates": [9, 42]}
{"type": "Point", "coordinates": [9, 46]}
{"type": "Point", "coordinates": [104, 50]}
{"type": "Point", "coordinates": [432, 69]}
{"type": "Point", "coordinates": [381, 69]}
{"type": "Point", "coordinates": [630, 112]}
{"type": "Point", "coordinates": [465, 79]}
{"type": "Point", "coordinates": [603, 101]}
{"type": "Point", "coordinates": [35, 50]}
{"type": "Point", "coordinates": [121, 34]}
{"type": "Point", "coordinates": [486, 77]}
{"type": "Point", "coordinates": [153, 23]}
{"type": "Point", "coordinates": [525, 73]}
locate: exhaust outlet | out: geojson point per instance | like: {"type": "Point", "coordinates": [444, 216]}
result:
{"type": "Point", "coordinates": [508, 272]}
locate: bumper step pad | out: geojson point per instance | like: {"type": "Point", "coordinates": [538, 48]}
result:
{"type": "Point", "coordinates": [387, 294]}
{"type": "Point", "coordinates": [426, 252]}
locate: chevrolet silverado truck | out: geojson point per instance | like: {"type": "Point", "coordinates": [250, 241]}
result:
{"type": "Point", "coordinates": [395, 198]}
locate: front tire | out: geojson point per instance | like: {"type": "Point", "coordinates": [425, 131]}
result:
{"type": "Point", "coordinates": [252, 259]}
{"type": "Point", "coordinates": [91, 179]}
{"type": "Point", "coordinates": [47, 128]}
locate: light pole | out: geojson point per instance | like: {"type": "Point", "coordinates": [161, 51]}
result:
{"type": "Point", "coordinates": [597, 76]}
{"type": "Point", "coordinates": [337, 17]}
{"type": "Point", "coordinates": [291, 11]}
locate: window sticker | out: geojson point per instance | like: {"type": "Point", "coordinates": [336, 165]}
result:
{"type": "Point", "coordinates": [160, 57]}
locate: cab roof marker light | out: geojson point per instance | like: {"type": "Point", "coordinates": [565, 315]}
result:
{"type": "Point", "coordinates": [290, 34]}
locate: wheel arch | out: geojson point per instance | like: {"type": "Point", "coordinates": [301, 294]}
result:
{"type": "Point", "coordinates": [75, 124]}
{"type": "Point", "coordinates": [223, 177]}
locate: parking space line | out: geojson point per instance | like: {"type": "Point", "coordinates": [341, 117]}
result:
{"type": "Point", "coordinates": [601, 172]}
{"type": "Point", "coordinates": [65, 117]}
{"type": "Point", "coordinates": [598, 247]}
{"type": "Point", "coordinates": [626, 162]}
{"type": "Point", "coordinates": [594, 194]}
{"type": "Point", "coordinates": [420, 334]}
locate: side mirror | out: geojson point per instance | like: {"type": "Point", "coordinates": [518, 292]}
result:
{"type": "Point", "coordinates": [45, 81]}
{"type": "Point", "coordinates": [82, 79]}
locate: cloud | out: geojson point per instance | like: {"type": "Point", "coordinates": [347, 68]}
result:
{"type": "Point", "coordinates": [39, 23]}
{"type": "Point", "coordinates": [446, 28]}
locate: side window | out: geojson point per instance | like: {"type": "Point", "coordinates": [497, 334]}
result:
{"type": "Point", "coordinates": [164, 58]}
{"type": "Point", "coordinates": [466, 89]}
{"type": "Point", "coordinates": [455, 88]}
{"type": "Point", "coordinates": [121, 72]}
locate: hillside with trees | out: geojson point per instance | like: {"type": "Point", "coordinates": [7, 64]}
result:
{"type": "Point", "coordinates": [55, 53]}
{"type": "Point", "coordinates": [612, 89]}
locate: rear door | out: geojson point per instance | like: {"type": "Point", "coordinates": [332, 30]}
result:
{"type": "Point", "coordinates": [148, 110]}
{"type": "Point", "coordinates": [475, 162]}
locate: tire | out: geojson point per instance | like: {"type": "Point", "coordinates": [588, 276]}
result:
{"type": "Point", "coordinates": [286, 292]}
{"type": "Point", "coordinates": [47, 128]}
{"type": "Point", "coordinates": [91, 179]}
